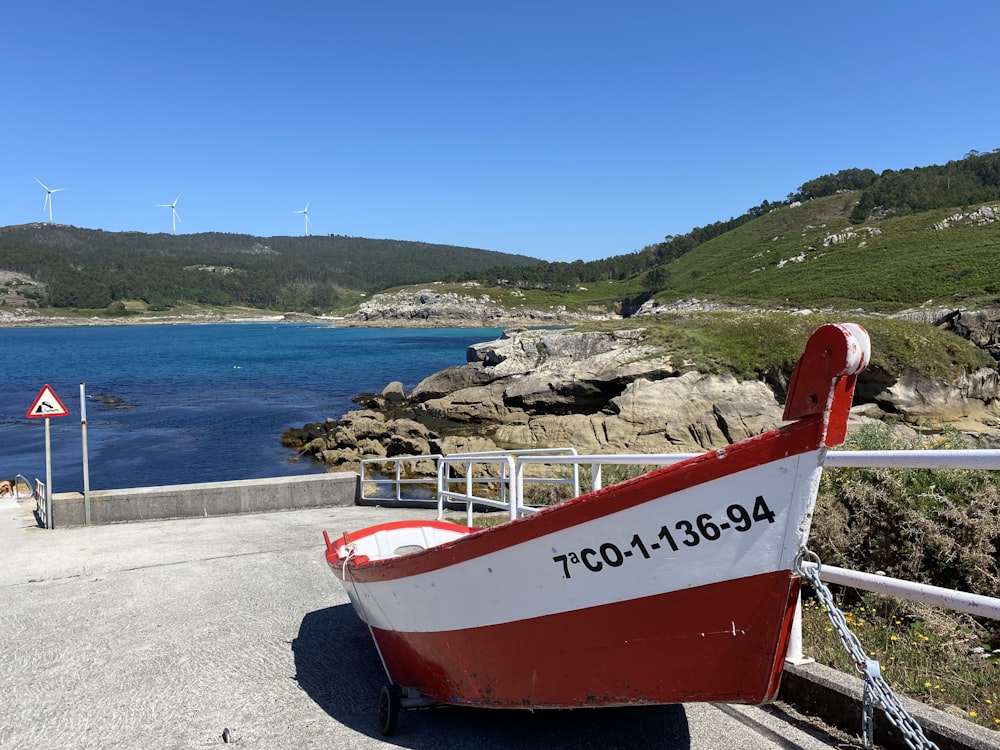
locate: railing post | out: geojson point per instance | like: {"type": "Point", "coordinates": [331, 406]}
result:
{"type": "Point", "coordinates": [596, 478]}
{"type": "Point", "coordinates": [469, 505]}
{"type": "Point", "coordinates": [793, 654]}
{"type": "Point", "coordinates": [442, 467]}
{"type": "Point", "coordinates": [517, 489]}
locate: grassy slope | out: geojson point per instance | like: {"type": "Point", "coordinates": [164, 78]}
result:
{"type": "Point", "coordinates": [903, 263]}
{"type": "Point", "coordinates": [746, 344]}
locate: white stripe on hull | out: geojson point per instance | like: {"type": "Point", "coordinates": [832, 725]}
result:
{"type": "Point", "coordinates": [628, 555]}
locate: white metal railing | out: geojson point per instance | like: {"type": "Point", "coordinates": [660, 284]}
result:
{"type": "Point", "coordinates": [960, 601]}
{"type": "Point", "coordinates": [596, 462]}
{"type": "Point", "coordinates": [43, 507]}
{"type": "Point", "coordinates": [397, 482]}
{"type": "Point", "coordinates": [455, 472]}
{"type": "Point", "coordinates": [460, 468]}
{"type": "Point", "coordinates": [986, 460]}
{"type": "Point", "coordinates": [470, 482]}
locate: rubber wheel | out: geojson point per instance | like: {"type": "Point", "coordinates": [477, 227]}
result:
{"type": "Point", "coordinates": [388, 709]}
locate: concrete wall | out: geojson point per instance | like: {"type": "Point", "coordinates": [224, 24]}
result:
{"type": "Point", "coordinates": [207, 499]}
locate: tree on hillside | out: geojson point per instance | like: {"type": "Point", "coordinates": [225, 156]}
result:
{"type": "Point", "coordinates": [831, 184]}
{"type": "Point", "coordinates": [973, 179]}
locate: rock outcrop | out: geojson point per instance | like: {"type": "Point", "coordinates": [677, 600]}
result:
{"type": "Point", "coordinates": [607, 392]}
{"type": "Point", "coordinates": [430, 307]}
{"type": "Point", "coordinates": [981, 327]}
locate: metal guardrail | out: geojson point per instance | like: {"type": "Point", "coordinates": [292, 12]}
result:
{"type": "Point", "coordinates": [371, 477]}
{"type": "Point", "coordinates": [43, 504]}
{"type": "Point", "coordinates": [459, 477]}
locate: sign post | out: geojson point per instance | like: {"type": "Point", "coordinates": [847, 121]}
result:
{"type": "Point", "coordinates": [86, 465]}
{"type": "Point", "coordinates": [46, 405]}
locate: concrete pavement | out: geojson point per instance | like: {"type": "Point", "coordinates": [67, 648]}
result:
{"type": "Point", "coordinates": [163, 634]}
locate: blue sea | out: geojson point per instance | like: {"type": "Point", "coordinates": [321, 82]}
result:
{"type": "Point", "coordinates": [173, 404]}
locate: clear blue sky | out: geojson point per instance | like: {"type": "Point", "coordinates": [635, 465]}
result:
{"type": "Point", "coordinates": [560, 130]}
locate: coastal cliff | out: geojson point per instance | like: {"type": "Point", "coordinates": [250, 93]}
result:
{"type": "Point", "coordinates": [615, 392]}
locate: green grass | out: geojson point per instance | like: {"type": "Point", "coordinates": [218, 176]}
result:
{"type": "Point", "coordinates": [889, 265]}
{"type": "Point", "coordinates": [947, 663]}
{"type": "Point", "coordinates": [748, 344]}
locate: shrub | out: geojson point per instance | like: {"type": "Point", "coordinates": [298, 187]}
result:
{"type": "Point", "coordinates": [940, 527]}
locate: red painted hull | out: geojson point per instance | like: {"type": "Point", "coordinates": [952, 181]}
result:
{"type": "Point", "coordinates": [678, 647]}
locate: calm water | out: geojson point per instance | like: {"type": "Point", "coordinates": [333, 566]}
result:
{"type": "Point", "coordinates": [199, 403]}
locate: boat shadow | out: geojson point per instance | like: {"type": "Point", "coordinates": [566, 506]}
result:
{"type": "Point", "coordinates": [338, 667]}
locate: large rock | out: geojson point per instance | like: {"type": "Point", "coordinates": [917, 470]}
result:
{"type": "Point", "coordinates": [568, 372]}
{"type": "Point", "coordinates": [452, 379]}
{"type": "Point", "coordinates": [409, 438]}
{"type": "Point", "coordinates": [584, 385]}
{"type": "Point", "coordinates": [696, 412]}
{"type": "Point", "coordinates": [482, 404]}
{"type": "Point", "coordinates": [981, 327]}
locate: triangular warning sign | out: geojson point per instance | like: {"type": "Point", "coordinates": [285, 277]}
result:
{"type": "Point", "coordinates": [47, 404]}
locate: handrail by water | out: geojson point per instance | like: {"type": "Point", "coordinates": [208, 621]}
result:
{"type": "Point", "coordinates": [22, 481]}
{"type": "Point", "coordinates": [371, 476]}
{"type": "Point", "coordinates": [469, 498]}
{"type": "Point", "coordinates": [397, 482]}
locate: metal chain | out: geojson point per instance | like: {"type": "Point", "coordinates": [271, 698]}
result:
{"type": "Point", "coordinates": [876, 689]}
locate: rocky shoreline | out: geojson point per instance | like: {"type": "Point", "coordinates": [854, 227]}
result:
{"type": "Point", "coordinates": [609, 392]}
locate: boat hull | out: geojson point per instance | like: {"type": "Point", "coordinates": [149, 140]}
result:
{"type": "Point", "coordinates": [662, 589]}
{"type": "Point", "coordinates": [721, 642]}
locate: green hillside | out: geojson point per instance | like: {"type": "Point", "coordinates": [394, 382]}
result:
{"type": "Point", "coordinates": [93, 269]}
{"type": "Point", "coordinates": [811, 255]}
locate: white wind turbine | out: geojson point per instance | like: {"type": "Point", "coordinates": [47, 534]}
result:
{"type": "Point", "coordinates": [48, 196]}
{"type": "Point", "coordinates": [305, 213]}
{"type": "Point", "coordinates": [175, 217]}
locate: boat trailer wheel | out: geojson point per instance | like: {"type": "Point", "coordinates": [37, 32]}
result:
{"type": "Point", "coordinates": [388, 708]}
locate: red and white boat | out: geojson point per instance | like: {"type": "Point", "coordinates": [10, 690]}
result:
{"type": "Point", "coordinates": [676, 586]}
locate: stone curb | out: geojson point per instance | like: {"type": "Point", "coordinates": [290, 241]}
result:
{"type": "Point", "coordinates": [836, 698]}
